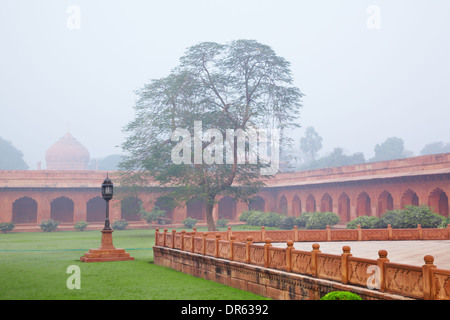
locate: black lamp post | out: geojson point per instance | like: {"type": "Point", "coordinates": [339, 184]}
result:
{"type": "Point", "coordinates": [107, 194]}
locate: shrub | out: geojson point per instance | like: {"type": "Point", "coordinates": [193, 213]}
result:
{"type": "Point", "coordinates": [287, 223]}
{"type": "Point", "coordinates": [153, 215]}
{"type": "Point", "coordinates": [255, 218]}
{"type": "Point", "coordinates": [366, 222]}
{"type": "Point", "coordinates": [189, 222]}
{"type": "Point", "coordinates": [341, 295]}
{"type": "Point", "coordinates": [271, 219]}
{"type": "Point", "coordinates": [245, 215]}
{"type": "Point", "coordinates": [320, 220]}
{"type": "Point", "coordinates": [49, 225]}
{"type": "Point", "coordinates": [222, 223]}
{"type": "Point", "coordinates": [411, 216]}
{"type": "Point", "coordinates": [301, 220]}
{"type": "Point", "coordinates": [120, 224]}
{"type": "Point", "coordinates": [80, 225]}
{"type": "Point", "coordinates": [6, 226]}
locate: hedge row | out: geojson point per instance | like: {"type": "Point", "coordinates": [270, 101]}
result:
{"type": "Point", "coordinates": [409, 217]}
{"type": "Point", "coordinates": [308, 220]}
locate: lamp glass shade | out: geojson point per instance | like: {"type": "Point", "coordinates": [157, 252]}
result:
{"type": "Point", "coordinates": [107, 189]}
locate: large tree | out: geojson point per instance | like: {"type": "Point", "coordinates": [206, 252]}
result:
{"type": "Point", "coordinates": [185, 136]}
{"type": "Point", "coordinates": [11, 158]}
{"type": "Point", "coordinates": [310, 144]}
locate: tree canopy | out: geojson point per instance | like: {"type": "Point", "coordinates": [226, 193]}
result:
{"type": "Point", "coordinates": [188, 129]}
{"type": "Point", "coordinates": [11, 158]}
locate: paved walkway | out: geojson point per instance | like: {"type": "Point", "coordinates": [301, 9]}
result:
{"type": "Point", "coordinates": [406, 252]}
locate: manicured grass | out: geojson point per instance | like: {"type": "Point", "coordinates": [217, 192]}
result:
{"type": "Point", "coordinates": [33, 266]}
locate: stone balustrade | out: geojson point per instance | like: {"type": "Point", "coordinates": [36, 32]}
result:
{"type": "Point", "coordinates": [255, 248]}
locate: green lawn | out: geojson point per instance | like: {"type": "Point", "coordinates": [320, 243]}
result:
{"type": "Point", "coordinates": [33, 266]}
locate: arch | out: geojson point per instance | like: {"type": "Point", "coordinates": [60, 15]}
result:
{"type": "Point", "coordinates": [296, 206]}
{"type": "Point", "coordinates": [283, 205]}
{"type": "Point", "coordinates": [257, 204]}
{"type": "Point", "coordinates": [385, 203]}
{"type": "Point", "coordinates": [310, 204]}
{"type": "Point", "coordinates": [196, 209]}
{"type": "Point", "coordinates": [96, 210]}
{"type": "Point", "coordinates": [24, 210]}
{"type": "Point", "coordinates": [61, 209]}
{"type": "Point", "coordinates": [438, 201]}
{"type": "Point", "coordinates": [363, 207]}
{"type": "Point", "coordinates": [227, 208]}
{"type": "Point", "coordinates": [344, 207]}
{"type": "Point", "coordinates": [409, 198]}
{"type": "Point", "coordinates": [129, 209]}
{"type": "Point", "coordinates": [326, 203]}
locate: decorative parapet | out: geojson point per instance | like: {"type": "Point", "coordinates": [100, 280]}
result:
{"type": "Point", "coordinates": [426, 282]}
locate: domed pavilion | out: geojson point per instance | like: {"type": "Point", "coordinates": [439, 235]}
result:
{"type": "Point", "coordinates": [67, 154]}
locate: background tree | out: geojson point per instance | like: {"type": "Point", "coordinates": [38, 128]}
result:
{"type": "Point", "coordinates": [336, 158]}
{"type": "Point", "coordinates": [435, 148]}
{"type": "Point", "coordinates": [392, 148]}
{"type": "Point", "coordinates": [238, 85]}
{"type": "Point", "coordinates": [11, 158]}
{"type": "Point", "coordinates": [310, 144]}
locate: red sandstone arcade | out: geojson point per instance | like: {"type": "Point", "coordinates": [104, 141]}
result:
{"type": "Point", "coordinates": [68, 192]}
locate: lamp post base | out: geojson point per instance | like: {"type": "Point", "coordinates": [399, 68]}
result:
{"type": "Point", "coordinates": [107, 251]}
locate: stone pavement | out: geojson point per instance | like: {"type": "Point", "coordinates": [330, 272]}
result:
{"type": "Point", "coordinates": [410, 252]}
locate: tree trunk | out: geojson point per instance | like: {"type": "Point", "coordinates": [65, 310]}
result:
{"type": "Point", "coordinates": [209, 213]}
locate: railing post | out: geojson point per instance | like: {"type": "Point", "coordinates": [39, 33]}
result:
{"type": "Point", "coordinates": [229, 233]}
{"type": "Point", "coordinates": [389, 227]}
{"type": "Point", "coordinates": [194, 230]}
{"type": "Point", "coordinates": [267, 245]}
{"type": "Point", "coordinates": [328, 230]}
{"type": "Point", "coordinates": [263, 233]}
{"type": "Point", "coordinates": [205, 235]}
{"type": "Point", "coordinates": [344, 263]}
{"type": "Point", "coordinates": [314, 253]}
{"type": "Point", "coordinates": [249, 242]}
{"type": "Point", "coordinates": [295, 233]}
{"type": "Point", "coordinates": [164, 239]}
{"type": "Point", "coordinates": [182, 240]}
{"type": "Point", "coordinates": [217, 245]}
{"type": "Point", "coordinates": [420, 232]}
{"type": "Point", "coordinates": [448, 230]}
{"type": "Point", "coordinates": [173, 238]}
{"type": "Point", "coordinates": [359, 232]}
{"type": "Point", "coordinates": [428, 293]}
{"type": "Point", "coordinates": [232, 239]}
{"type": "Point", "coordinates": [156, 236]}
{"type": "Point", "coordinates": [290, 246]}
{"type": "Point", "coordinates": [382, 254]}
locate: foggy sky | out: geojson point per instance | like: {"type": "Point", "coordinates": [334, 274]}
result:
{"type": "Point", "coordinates": [362, 85]}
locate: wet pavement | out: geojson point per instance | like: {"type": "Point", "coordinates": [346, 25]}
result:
{"type": "Point", "coordinates": [409, 252]}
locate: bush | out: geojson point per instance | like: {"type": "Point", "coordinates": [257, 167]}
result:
{"type": "Point", "coordinates": [366, 222]}
{"type": "Point", "coordinates": [120, 224]}
{"type": "Point", "coordinates": [153, 215]}
{"type": "Point", "coordinates": [341, 295]}
{"type": "Point", "coordinates": [6, 226]}
{"type": "Point", "coordinates": [80, 225]}
{"type": "Point", "coordinates": [222, 223]}
{"type": "Point", "coordinates": [411, 216]}
{"type": "Point", "coordinates": [301, 220]}
{"type": "Point", "coordinates": [320, 220]}
{"type": "Point", "coordinates": [245, 215]}
{"type": "Point", "coordinates": [287, 223]}
{"type": "Point", "coordinates": [271, 219]}
{"type": "Point", "coordinates": [189, 222]}
{"type": "Point", "coordinates": [255, 218]}
{"type": "Point", "coordinates": [49, 225]}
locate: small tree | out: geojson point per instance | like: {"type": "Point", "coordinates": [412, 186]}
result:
{"type": "Point", "coordinates": [120, 224]}
{"type": "Point", "coordinates": [80, 225]}
{"type": "Point", "coordinates": [189, 222]}
{"type": "Point", "coordinates": [6, 226]}
{"type": "Point", "coordinates": [49, 225]}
